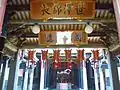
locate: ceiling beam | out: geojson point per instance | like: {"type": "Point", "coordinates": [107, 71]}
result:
{"type": "Point", "coordinates": [10, 46]}
{"type": "Point", "coordinates": [31, 35]}
{"type": "Point", "coordinates": [63, 46]}
{"type": "Point", "coordinates": [32, 22]}
{"type": "Point", "coordinates": [104, 6]}
{"type": "Point", "coordinates": [26, 7]}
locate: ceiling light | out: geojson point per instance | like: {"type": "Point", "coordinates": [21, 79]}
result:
{"type": "Point", "coordinates": [88, 29]}
{"type": "Point", "coordinates": [80, 20]}
{"type": "Point", "coordinates": [36, 29]}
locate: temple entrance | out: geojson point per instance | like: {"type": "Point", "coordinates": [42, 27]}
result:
{"type": "Point", "coordinates": [48, 73]}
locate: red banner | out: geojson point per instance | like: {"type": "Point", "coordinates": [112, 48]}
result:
{"type": "Point", "coordinates": [57, 62]}
{"type": "Point", "coordinates": [95, 55]}
{"type": "Point", "coordinates": [56, 55]}
{"type": "Point", "coordinates": [2, 12]}
{"type": "Point", "coordinates": [68, 57]}
{"type": "Point", "coordinates": [56, 65]}
{"type": "Point", "coordinates": [44, 57]}
{"type": "Point", "coordinates": [68, 54]}
{"type": "Point", "coordinates": [31, 56]}
{"type": "Point", "coordinates": [69, 65]}
{"type": "Point", "coordinates": [80, 55]}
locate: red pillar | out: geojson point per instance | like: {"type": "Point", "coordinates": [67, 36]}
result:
{"type": "Point", "coordinates": [2, 12]}
{"type": "Point", "coordinates": [116, 4]}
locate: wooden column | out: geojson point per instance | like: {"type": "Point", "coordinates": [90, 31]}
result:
{"type": "Point", "coordinates": [114, 73]}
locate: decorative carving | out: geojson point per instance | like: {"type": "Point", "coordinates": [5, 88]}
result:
{"type": "Point", "coordinates": [111, 38]}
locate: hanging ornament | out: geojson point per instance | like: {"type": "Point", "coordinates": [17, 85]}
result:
{"type": "Point", "coordinates": [31, 56]}
{"type": "Point", "coordinates": [44, 57]}
{"type": "Point", "coordinates": [68, 54]}
{"type": "Point", "coordinates": [55, 65]}
{"type": "Point", "coordinates": [80, 55]}
{"type": "Point", "coordinates": [95, 55]}
{"type": "Point", "coordinates": [68, 58]}
{"type": "Point", "coordinates": [95, 58]}
{"type": "Point", "coordinates": [56, 54]}
{"type": "Point", "coordinates": [69, 65]}
{"type": "Point", "coordinates": [57, 57]}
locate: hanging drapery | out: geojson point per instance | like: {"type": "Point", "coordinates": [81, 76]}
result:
{"type": "Point", "coordinates": [96, 66]}
{"type": "Point", "coordinates": [95, 57]}
{"type": "Point", "coordinates": [56, 62]}
{"type": "Point", "coordinates": [68, 58]}
{"type": "Point", "coordinates": [69, 65]}
{"type": "Point", "coordinates": [55, 65]}
{"type": "Point", "coordinates": [44, 57]}
{"type": "Point", "coordinates": [80, 56]}
{"type": "Point", "coordinates": [68, 54]}
{"type": "Point", "coordinates": [31, 57]}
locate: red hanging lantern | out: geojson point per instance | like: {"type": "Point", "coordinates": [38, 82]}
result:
{"type": "Point", "coordinates": [95, 58]}
{"type": "Point", "coordinates": [80, 55]}
{"type": "Point", "coordinates": [69, 65]}
{"type": "Point", "coordinates": [57, 58]}
{"type": "Point", "coordinates": [44, 56]}
{"type": "Point", "coordinates": [31, 56]}
{"type": "Point", "coordinates": [68, 57]}
{"type": "Point", "coordinates": [55, 65]}
{"type": "Point", "coordinates": [95, 55]}
{"type": "Point", "coordinates": [56, 54]}
{"type": "Point", "coordinates": [68, 54]}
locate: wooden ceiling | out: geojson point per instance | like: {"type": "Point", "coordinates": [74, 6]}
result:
{"type": "Point", "coordinates": [20, 23]}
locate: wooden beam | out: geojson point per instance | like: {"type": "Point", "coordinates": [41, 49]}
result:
{"type": "Point", "coordinates": [31, 35]}
{"type": "Point", "coordinates": [32, 22]}
{"type": "Point", "coordinates": [63, 46]}
{"type": "Point", "coordinates": [10, 46]}
{"type": "Point", "coordinates": [26, 7]}
{"type": "Point", "coordinates": [104, 6]}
